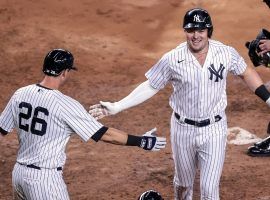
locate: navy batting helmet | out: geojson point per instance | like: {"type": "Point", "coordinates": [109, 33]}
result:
{"type": "Point", "coordinates": [150, 195]}
{"type": "Point", "coordinates": [56, 61]}
{"type": "Point", "coordinates": [198, 18]}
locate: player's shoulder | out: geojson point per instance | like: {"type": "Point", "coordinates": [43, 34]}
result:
{"type": "Point", "coordinates": [23, 89]}
{"type": "Point", "coordinates": [64, 99]}
{"type": "Point", "coordinates": [221, 47]}
{"type": "Point", "coordinates": [178, 49]}
{"type": "Point", "coordinates": [217, 44]}
{"type": "Point", "coordinates": [180, 46]}
{"type": "Point", "coordinates": [69, 105]}
{"type": "Point", "coordinates": [26, 87]}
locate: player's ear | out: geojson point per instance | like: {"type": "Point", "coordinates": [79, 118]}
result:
{"type": "Point", "coordinates": [64, 73]}
{"type": "Point", "coordinates": [62, 76]}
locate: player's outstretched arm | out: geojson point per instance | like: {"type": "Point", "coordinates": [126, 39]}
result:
{"type": "Point", "coordinates": [140, 94]}
{"type": "Point", "coordinates": [148, 141]}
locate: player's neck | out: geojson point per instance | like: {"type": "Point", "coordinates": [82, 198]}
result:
{"type": "Point", "coordinates": [201, 55]}
{"type": "Point", "coordinates": [50, 82]}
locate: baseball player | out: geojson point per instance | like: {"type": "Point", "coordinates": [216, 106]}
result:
{"type": "Point", "coordinates": [197, 70]}
{"type": "Point", "coordinates": [259, 53]}
{"type": "Point", "coordinates": [45, 119]}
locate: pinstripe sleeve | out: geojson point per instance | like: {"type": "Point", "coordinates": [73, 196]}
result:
{"type": "Point", "coordinates": [160, 73]}
{"type": "Point", "coordinates": [79, 120]}
{"type": "Point", "coordinates": [238, 65]}
{"type": "Point", "coordinates": [6, 119]}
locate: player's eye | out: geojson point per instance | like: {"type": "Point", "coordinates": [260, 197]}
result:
{"type": "Point", "coordinates": [201, 30]}
{"type": "Point", "coordinates": [190, 30]}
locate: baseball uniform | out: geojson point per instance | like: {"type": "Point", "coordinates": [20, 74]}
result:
{"type": "Point", "coordinates": [45, 119]}
{"type": "Point", "coordinates": [198, 122]}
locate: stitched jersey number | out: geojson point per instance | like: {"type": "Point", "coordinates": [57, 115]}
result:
{"type": "Point", "coordinates": [36, 120]}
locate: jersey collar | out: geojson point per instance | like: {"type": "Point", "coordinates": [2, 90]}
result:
{"type": "Point", "coordinates": [43, 86]}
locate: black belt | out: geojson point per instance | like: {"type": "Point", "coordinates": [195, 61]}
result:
{"type": "Point", "coordinates": [202, 123]}
{"type": "Point", "coordinates": [36, 167]}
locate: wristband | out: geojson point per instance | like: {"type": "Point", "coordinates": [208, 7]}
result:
{"type": "Point", "coordinates": [134, 140]}
{"type": "Point", "coordinates": [263, 93]}
{"type": "Point", "coordinates": [3, 132]}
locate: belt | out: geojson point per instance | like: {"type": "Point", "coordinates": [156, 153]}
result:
{"type": "Point", "coordinates": [202, 123]}
{"type": "Point", "coordinates": [39, 168]}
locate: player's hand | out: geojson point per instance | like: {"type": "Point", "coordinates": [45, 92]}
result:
{"type": "Point", "coordinates": [151, 142]}
{"type": "Point", "coordinates": [264, 46]}
{"type": "Point", "coordinates": [103, 109]}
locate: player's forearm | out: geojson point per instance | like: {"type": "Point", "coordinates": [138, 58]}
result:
{"type": "Point", "coordinates": [252, 79]}
{"type": "Point", "coordinates": [143, 92]}
{"type": "Point", "coordinates": [115, 136]}
{"type": "Point", "coordinates": [147, 141]}
{"type": "Point", "coordinates": [255, 83]}
{"type": "Point", "coordinates": [140, 94]}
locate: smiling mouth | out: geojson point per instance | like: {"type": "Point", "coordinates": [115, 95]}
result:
{"type": "Point", "coordinates": [196, 42]}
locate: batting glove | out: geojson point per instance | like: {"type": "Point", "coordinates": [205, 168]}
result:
{"type": "Point", "coordinates": [103, 109]}
{"type": "Point", "coordinates": [151, 142]}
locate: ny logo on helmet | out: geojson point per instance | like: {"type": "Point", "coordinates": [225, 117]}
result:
{"type": "Point", "coordinates": [198, 18]}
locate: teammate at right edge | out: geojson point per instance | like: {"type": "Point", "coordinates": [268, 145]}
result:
{"type": "Point", "coordinates": [259, 53]}
{"type": "Point", "coordinates": [197, 70]}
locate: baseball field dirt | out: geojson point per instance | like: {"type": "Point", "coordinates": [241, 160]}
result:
{"type": "Point", "coordinates": [114, 43]}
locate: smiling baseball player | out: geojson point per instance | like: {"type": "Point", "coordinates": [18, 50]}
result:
{"type": "Point", "coordinates": [197, 70]}
{"type": "Point", "coordinates": [45, 119]}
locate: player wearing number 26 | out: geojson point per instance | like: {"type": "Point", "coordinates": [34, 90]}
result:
{"type": "Point", "coordinates": [45, 118]}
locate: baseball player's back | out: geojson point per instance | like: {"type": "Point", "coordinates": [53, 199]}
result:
{"type": "Point", "coordinates": [44, 117]}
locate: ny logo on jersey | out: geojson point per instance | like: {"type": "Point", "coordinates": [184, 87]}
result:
{"type": "Point", "coordinates": [218, 73]}
{"type": "Point", "coordinates": [198, 18]}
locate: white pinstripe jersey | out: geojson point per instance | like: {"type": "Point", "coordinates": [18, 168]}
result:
{"type": "Point", "coordinates": [45, 120]}
{"type": "Point", "coordinates": [199, 92]}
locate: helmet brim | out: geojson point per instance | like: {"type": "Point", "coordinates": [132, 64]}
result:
{"type": "Point", "coordinates": [197, 26]}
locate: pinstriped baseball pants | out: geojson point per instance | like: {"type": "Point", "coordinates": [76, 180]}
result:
{"type": "Point", "coordinates": [200, 148]}
{"type": "Point", "coordinates": [33, 184]}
